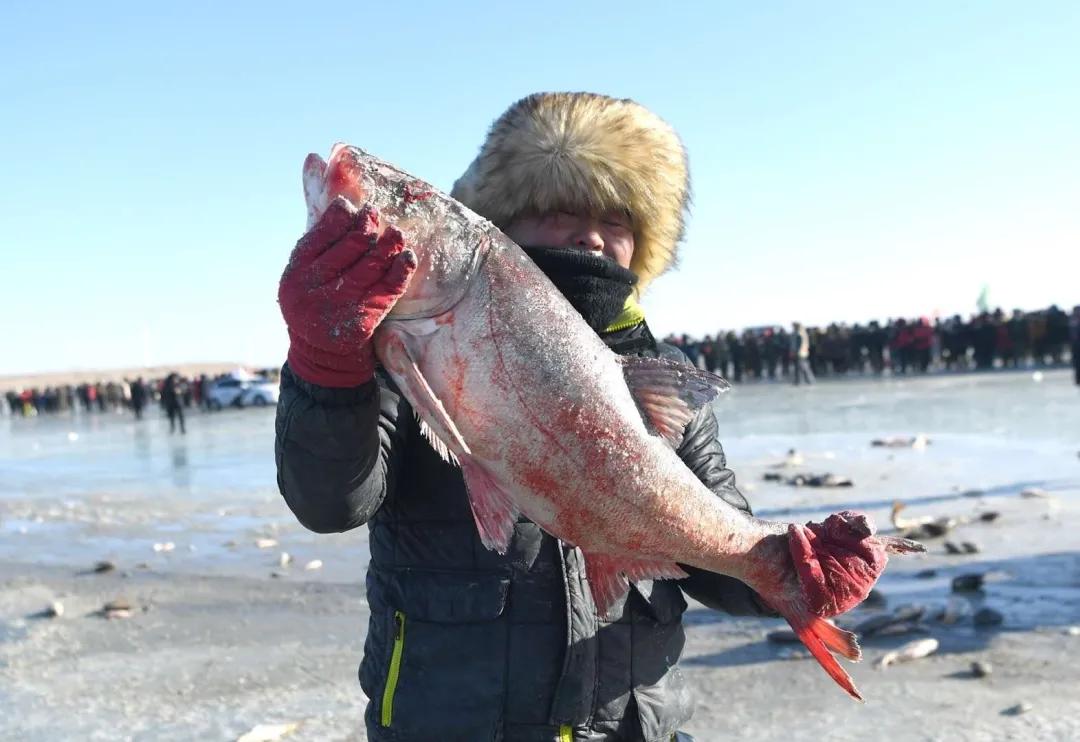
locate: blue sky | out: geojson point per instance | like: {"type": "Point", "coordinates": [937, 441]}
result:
{"type": "Point", "coordinates": [850, 160]}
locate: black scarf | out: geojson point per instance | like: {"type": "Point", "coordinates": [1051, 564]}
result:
{"type": "Point", "coordinates": [595, 286]}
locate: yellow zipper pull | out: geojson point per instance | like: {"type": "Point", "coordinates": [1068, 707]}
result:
{"type": "Point", "coordinates": [387, 713]}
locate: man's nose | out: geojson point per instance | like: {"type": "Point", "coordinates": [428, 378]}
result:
{"type": "Point", "coordinates": [589, 239]}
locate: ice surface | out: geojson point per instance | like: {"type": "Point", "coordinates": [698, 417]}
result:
{"type": "Point", "coordinates": [119, 487]}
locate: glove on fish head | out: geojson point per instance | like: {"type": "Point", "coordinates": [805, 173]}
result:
{"type": "Point", "coordinates": [839, 561]}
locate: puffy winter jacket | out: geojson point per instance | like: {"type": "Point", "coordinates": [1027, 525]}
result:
{"type": "Point", "coordinates": [464, 643]}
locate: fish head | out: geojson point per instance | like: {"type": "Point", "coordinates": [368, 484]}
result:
{"type": "Point", "coordinates": [448, 239]}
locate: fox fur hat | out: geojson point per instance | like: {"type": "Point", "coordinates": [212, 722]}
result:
{"type": "Point", "coordinates": [583, 151]}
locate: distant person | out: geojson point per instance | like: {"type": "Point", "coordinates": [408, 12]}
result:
{"type": "Point", "coordinates": [752, 354]}
{"type": "Point", "coordinates": [202, 386]}
{"type": "Point", "coordinates": [783, 340]}
{"type": "Point", "coordinates": [720, 355]}
{"type": "Point", "coordinates": [1074, 329]}
{"type": "Point", "coordinates": [770, 353]}
{"type": "Point", "coordinates": [172, 401]}
{"type": "Point", "coordinates": [922, 340]}
{"type": "Point", "coordinates": [800, 351]}
{"type": "Point", "coordinates": [857, 344]}
{"type": "Point", "coordinates": [901, 346]}
{"type": "Point", "coordinates": [1057, 333]}
{"type": "Point", "coordinates": [690, 348]}
{"type": "Point", "coordinates": [985, 342]}
{"type": "Point", "coordinates": [876, 340]}
{"type": "Point", "coordinates": [706, 353]}
{"type": "Point", "coordinates": [736, 349]}
{"type": "Point", "coordinates": [1020, 337]}
{"type": "Point", "coordinates": [138, 397]}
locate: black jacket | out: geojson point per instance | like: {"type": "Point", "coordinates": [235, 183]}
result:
{"type": "Point", "coordinates": [465, 644]}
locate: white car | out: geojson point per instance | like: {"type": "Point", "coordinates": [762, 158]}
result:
{"type": "Point", "coordinates": [235, 392]}
{"type": "Point", "coordinates": [259, 393]}
{"type": "Point", "coordinates": [225, 393]}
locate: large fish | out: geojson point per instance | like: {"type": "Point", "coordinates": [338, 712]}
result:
{"type": "Point", "coordinates": [546, 422]}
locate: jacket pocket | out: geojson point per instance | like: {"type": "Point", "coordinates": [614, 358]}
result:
{"type": "Point", "coordinates": [450, 597]}
{"type": "Point", "coordinates": [445, 659]}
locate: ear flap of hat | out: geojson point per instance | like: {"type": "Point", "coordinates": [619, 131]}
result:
{"type": "Point", "coordinates": [582, 151]}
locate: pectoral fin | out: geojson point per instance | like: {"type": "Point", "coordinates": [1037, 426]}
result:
{"type": "Point", "coordinates": [435, 422]}
{"type": "Point", "coordinates": [669, 394]}
{"type": "Point", "coordinates": [493, 510]}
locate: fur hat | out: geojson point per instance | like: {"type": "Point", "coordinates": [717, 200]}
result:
{"type": "Point", "coordinates": [578, 151]}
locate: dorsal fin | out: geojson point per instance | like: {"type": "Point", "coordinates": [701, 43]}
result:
{"type": "Point", "coordinates": [669, 393]}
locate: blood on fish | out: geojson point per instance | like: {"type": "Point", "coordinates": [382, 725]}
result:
{"type": "Point", "coordinates": [455, 374]}
{"type": "Point", "coordinates": [343, 176]}
{"type": "Point", "coordinates": [539, 480]}
{"type": "Point", "coordinates": [411, 197]}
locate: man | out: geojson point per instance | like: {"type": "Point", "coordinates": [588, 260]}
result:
{"type": "Point", "coordinates": [800, 351]}
{"type": "Point", "coordinates": [465, 644]}
{"type": "Point", "coordinates": [171, 396]}
{"type": "Point", "coordinates": [138, 397]}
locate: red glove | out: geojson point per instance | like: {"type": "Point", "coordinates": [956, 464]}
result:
{"type": "Point", "coordinates": [341, 281]}
{"type": "Point", "coordinates": [839, 561]}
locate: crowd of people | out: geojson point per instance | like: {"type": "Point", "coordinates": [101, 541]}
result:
{"type": "Point", "coordinates": [173, 392]}
{"type": "Point", "coordinates": [107, 396]}
{"type": "Point", "coordinates": [1046, 337]}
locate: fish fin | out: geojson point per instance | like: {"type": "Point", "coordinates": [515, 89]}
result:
{"type": "Point", "coordinates": [315, 188]}
{"type": "Point", "coordinates": [820, 637]}
{"type": "Point", "coordinates": [495, 513]}
{"type": "Point", "coordinates": [435, 422]}
{"type": "Point", "coordinates": [610, 576]}
{"type": "Point", "coordinates": [669, 393]}
{"type": "Point", "coordinates": [437, 443]}
{"type": "Point", "coordinates": [493, 510]}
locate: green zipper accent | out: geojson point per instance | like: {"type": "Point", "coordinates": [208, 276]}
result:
{"type": "Point", "coordinates": [630, 315]}
{"type": "Point", "coordinates": [387, 713]}
{"type": "Point", "coordinates": [566, 734]}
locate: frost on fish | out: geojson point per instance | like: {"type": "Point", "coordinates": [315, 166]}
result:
{"type": "Point", "coordinates": [547, 423]}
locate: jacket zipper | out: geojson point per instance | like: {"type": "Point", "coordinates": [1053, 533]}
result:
{"type": "Point", "coordinates": [387, 712]}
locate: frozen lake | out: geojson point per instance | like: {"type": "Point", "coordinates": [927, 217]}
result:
{"type": "Point", "coordinates": [78, 489]}
{"type": "Point", "coordinates": [74, 489]}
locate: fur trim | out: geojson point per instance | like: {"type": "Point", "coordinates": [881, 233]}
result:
{"type": "Point", "coordinates": [578, 151]}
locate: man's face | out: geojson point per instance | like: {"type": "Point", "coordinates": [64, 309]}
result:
{"type": "Point", "coordinates": [610, 235]}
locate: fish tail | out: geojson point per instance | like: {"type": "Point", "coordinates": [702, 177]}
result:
{"type": "Point", "coordinates": [820, 637]}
